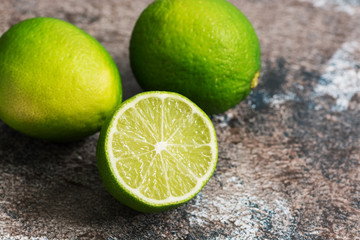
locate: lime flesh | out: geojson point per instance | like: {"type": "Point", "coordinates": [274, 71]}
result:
{"type": "Point", "coordinates": [157, 151]}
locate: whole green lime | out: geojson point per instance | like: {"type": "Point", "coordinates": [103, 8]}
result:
{"type": "Point", "coordinates": [56, 81]}
{"type": "Point", "coordinates": [206, 50]}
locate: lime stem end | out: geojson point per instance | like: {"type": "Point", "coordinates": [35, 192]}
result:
{"type": "Point", "coordinates": [255, 80]}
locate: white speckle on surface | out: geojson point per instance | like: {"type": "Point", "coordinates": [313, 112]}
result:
{"type": "Point", "coordinates": [274, 100]}
{"type": "Point", "coordinates": [278, 99]}
{"type": "Point", "coordinates": [9, 237]}
{"type": "Point", "coordinates": [245, 212]}
{"type": "Point", "coordinates": [224, 118]}
{"type": "Point", "coordinates": [341, 78]}
{"type": "Point", "coordinates": [347, 6]}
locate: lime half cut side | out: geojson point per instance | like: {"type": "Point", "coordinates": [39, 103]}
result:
{"type": "Point", "coordinates": [157, 151]}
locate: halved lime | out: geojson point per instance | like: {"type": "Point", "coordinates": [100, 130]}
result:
{"type": "Point", "coordinates": [157, 151]}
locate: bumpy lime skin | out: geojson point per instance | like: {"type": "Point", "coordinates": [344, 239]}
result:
{"type": "Point", "coordinates": [56, 81]}
{"type": "Point", "coordinates": [206, 50]}
{"type": "Point", "coordinates": [108, 176]}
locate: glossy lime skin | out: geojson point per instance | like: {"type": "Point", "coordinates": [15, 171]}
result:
{"type": "Point", "coordinates": [206, 50]}
{"type": "Point", "coordinates": [56, 81]}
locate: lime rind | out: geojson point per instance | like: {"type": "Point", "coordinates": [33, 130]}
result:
{"type": "Point", "coordinates": [206, 50]}
{"type": "Point", "coordinates": [131, 196]}
{"type": "Point", "coordinates": [57, 82]}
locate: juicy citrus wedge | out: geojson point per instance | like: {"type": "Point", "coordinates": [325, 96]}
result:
{"type": "Point", "coordinates": [157, 151]}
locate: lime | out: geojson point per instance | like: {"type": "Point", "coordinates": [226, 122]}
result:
{"type": "Point", "coordinates": [157, 151]}
{"type": "Point", "coordinates": [206, 50]}
{"type": "Point", "coordinates": [56, 81]}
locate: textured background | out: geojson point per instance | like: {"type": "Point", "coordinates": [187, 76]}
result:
{"type": "Point", "coordinates": [289, 154]}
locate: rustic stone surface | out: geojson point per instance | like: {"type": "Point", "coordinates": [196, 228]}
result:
{"type": "Point", "coordinates": [289, 154]}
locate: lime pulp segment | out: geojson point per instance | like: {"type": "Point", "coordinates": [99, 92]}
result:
{"type": "Point", "coordinates": [162, 148]}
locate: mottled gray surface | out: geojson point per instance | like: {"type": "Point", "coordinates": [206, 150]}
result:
{"type": "Point", "coordinates": [288, 155]}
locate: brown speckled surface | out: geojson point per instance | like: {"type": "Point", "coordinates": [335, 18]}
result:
{"type": "Point", "coordinates": [289, 154]}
